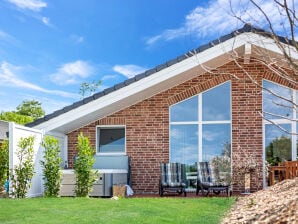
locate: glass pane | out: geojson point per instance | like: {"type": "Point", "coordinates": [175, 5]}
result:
{"type": "Point", "coordinates": [217, 103]}
{"type": "Point", "coordinates": [216, 140]}
{"type": "Point", "coordinates": [278, 144]}
{"type": "Point", "coordinates": [184, 149]}
{"type": "Point", "coordinates": [274, 104]}
{"type": "Point", "coordinates": [186, 110]}
{"type": "Point", "coordinates": [111, 140]}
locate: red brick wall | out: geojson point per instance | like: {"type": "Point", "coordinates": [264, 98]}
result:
{"type": "Point", "coordinates": [147, 123]}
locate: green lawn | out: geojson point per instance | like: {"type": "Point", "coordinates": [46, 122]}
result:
{"type": "Point", "coordinates": [98, 210]}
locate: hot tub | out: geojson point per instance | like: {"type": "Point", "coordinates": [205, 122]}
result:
{"type": "Point", "coordinates": [112, 170]}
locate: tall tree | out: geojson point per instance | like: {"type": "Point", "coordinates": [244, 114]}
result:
{"type": "Point", "coordinates": [15, 117]}
{"type": "Point", "coordinates": [31, 108]}
{"type": "Point", "coordinates": [27, 111]}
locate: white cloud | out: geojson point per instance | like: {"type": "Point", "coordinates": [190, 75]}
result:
{"type": "Point", "coordinates": [129, 70]}
{"type": "Point", "coordinates": [32, 8]}
{"type": "Point", "coordinates": [71, 73]}
{"type": "Point", "coordinates": [217, 18]}
{"type": "Point", "coordinates": [176, 133]}
{"type": "Point", "coordinates": [46, 21]}
{"type": "Point", "coordinates": [34, 5]}
{"type": "Point", "coordinates": [107, 77]}
{"type": "Point", "coordinates": [7, 37]}
{"type": "Point", "coordinates": [8, 77]}
{"type": "Point", "coordinates": [77, 39]}
{"type": "Point", "coordinates": [210, 136]}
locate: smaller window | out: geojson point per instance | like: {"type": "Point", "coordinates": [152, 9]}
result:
{"type": "Point", "coordinates": [111, 139]}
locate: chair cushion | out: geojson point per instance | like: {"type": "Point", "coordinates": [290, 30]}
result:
{"type": "Point", "coordinates": [173, 174]}
{"type": "Point", "coordinates": [209, 175]}
{"type": "Point", "coordinates": [206, 173]}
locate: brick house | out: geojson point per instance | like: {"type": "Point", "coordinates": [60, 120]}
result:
{"type": "Point", "coordinates": [182, 112]}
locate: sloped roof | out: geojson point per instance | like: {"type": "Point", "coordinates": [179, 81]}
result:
{"type": "Point", "coordinates": [245, 29]}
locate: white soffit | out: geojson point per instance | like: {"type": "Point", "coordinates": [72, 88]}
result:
{"type": "Point", "coordinates": [151, 85]}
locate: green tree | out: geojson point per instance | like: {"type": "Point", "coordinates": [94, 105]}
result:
{"type": "Point", "coordinates": [51, 166]}
{"type": "Point", "coordinates": [31, 108]}
{"type": "Point", "coordinates": [15, 117]}
{"type": "Point", "coordinates": [85, 176]}
{"type": "Point", "coordinates": [4, 161]}
{"type": "Point", "coordinates": [24, 170]}
{"type": "Point", "coordinates": [27, 111]}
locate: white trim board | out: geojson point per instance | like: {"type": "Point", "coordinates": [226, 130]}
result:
{"type": "Point", "coordinates": [151, 85]}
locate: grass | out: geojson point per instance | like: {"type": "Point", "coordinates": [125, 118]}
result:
{"type": "Point", "coordinates": [98, 210]}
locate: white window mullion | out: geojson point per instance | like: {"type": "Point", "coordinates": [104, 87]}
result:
{"type": "Point", "coordinates": [200, 128]}
{"type": "Point", "coordinates": [294, 142]}
{"type": "Point", "coordinates": [294, 128]}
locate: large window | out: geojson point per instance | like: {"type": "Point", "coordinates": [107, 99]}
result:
{"type": "Point", "coordinates": [110, 139]}
{"type": "Point", "coordinates": [200, 129]}
{"type": "Point", "coordinates": [280, 124]}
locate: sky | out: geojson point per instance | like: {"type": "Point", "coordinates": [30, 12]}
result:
{"type": "Point", "coordinates": [48, 48]}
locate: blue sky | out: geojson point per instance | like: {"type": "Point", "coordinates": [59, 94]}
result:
{"type": "Point", "coordinates": [48, 48]}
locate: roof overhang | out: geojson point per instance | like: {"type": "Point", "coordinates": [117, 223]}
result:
{"type": "Point", "coordinates": [244, 44]}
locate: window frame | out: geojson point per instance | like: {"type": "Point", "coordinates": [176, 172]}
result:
{"type": "Point", "coordinates": [282, 121]}
{"type": "Point", "coordinates": [98, 127]}
{"type": "Point", "coordinates": [291, 121]}
{"type": "Point", "coordinates": [200, 122]}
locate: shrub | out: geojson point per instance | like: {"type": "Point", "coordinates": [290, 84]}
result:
{"type": "Point", "coordinates": [223, 165]}
{"type": "Point", "coordinates": [51, 166]}
{"type": "Point", "coordinates": [23, 172]}
{"type": "Point", "coordinates": [85, 177]}
{"type": "Point", "coordinates": [4, 162]}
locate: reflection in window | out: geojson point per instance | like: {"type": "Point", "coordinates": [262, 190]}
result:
{"type": "Point", "coordinates": [216, 106]}
{"type": "Point", "coordinates": [184, 149]}
{"type": "Point", "coordinates": [280, 116]}
{"type": "Point", "coordinates": [200, 129]}
{"type": "Point", "coordinates": [216, 140]}
{"type": "Point", "coordinates": [111, 139]}
{"type": "Point", "coordinates": [184, 144]}
{"type": "Point", "coordinates": [186, 110]}
{"type": "Point", "coordinates": [275, 103]}
{"type": "Point", "coordinates": [278, 144]}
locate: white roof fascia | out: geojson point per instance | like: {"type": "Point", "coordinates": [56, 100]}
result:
{"type": "Point", "coordinates": [158, 77]}
{"type": "Point", "coordinates": [269, 44]}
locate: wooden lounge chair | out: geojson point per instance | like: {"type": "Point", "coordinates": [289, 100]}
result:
{"type": "Point", "coordinates": [172, 178]}
{"type": "Point", "coordinates": [209, 180]}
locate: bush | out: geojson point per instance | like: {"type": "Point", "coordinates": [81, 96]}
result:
{"type": "Point", "coordinates": [51, 166]}
{"type": "Point", "coordinates": [24, 170]}
{"type": "Point", "coordinates": [85, 177]}
{"type": "Point", "coordinates": [4, 162]}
